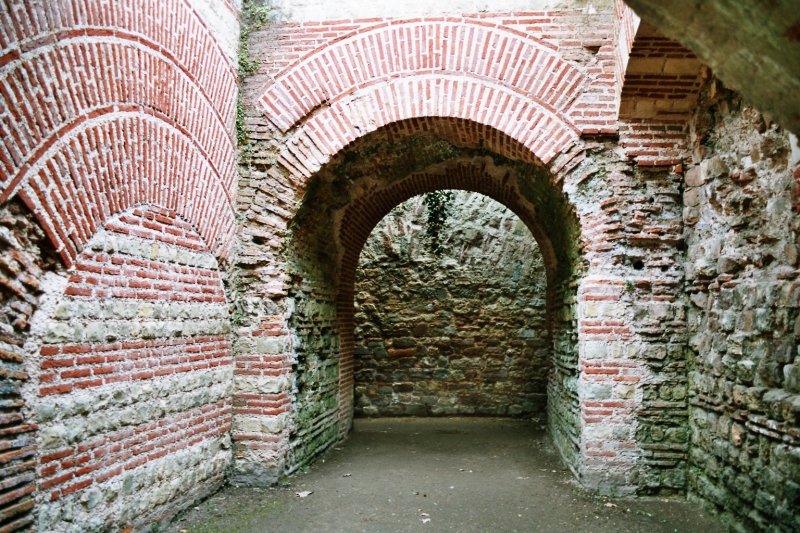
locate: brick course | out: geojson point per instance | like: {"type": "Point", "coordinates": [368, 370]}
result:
{"type": "Point", "coordinates": [143, 304]}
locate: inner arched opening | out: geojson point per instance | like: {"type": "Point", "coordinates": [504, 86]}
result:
{"type": "Point", "coordinates": [342, 205]}
{"type": "Point", "coordinates": [450, 312]}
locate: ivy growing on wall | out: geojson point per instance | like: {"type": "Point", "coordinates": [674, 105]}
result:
{"type": "Point", "coordinates": [255, 16]}
{"type": "Point", "coordinates": [438, 205]}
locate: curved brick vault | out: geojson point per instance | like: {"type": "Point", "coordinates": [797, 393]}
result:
{"type": "Point", "coordinates": [132, 90]}
{"type": "Point", "coordinates": [740, 41]}
{"type": "Point", "coordinates": [359, 219]}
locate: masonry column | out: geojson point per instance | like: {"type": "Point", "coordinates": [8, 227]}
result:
{"type": "Point", "coordinates": [261, 401]}
{"type": "Point", "coordinates": [631, 328]}
{"type": "Point", "coordinates": [608, 382]}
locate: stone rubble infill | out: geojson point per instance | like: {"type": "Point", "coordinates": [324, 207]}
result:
{"type": "Point", "coordinates": [69, 419]}
{"type": "Point", "coordinates": [151, 492]}
{"type": "Point", "coordinates": [112, 242]}
{"type": "Point", "coordinates": [461, 333]}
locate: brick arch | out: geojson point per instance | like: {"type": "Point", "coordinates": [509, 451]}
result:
{"type": "Point", "coordinates": [67, 67]}
{"type": "Point", "coordinates": [332, 129]}
{"type": "Point", "coordinates": [471, 141]}
{"type": "Point", "coordinates": [470, 70]}
{"type": "Point", "coordinates": [366, 213]}
{"type": "Point", "coordinates": [359, 219]}
{"type": "Point", "coordinates": [444, 46]}
{"type": "Point", "coordinates": [298, 381]}
{"type": "Point", "coordinates": [28, 25]}
{"type": "Point", "coordinates": [44, 119]}
{"type": "Point", "coordinates": [73, 188]}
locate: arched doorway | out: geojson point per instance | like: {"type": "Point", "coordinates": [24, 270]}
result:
{"type": "Point", "coordinates": [337, 145]}
{"type": "Point", "coordinates": [342, 205]}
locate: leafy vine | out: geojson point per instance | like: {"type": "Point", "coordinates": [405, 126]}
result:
{"type": "Point", "coordinates": [438, 204]}
{"type": "Point", "coordinates": [254, 17]}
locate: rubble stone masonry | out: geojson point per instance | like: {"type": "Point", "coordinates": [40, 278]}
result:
{"type": "Point", "coordinates": [742, 224]}
{"type": "Point", "coordinates": [461, 333]}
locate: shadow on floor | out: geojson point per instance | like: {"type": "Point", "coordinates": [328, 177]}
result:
{"type": "Point", "coordinates": [435, 474]}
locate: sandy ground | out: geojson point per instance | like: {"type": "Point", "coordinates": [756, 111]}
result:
{"type": "Point", "coordinates": [435, 474]}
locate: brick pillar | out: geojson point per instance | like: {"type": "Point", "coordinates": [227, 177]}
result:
{"type": "Point", "coordinates": [608, 387]}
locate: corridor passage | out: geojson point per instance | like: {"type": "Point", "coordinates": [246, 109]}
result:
{"type": "Point", "coordinates": [438, 474]}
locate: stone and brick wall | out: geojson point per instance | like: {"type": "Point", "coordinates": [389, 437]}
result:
{"type": "Point", "coordinates": [658, 94]}
{"type": "Point", "coordinates": [630, 388]}
{"type": "Point", "coordinates": [143, 353]}
{"type": "Point", "coordinates": [134, 374]}
{"type": "Point", "coordinates": [339, 135]}
{"type": "Point", "coordinates": [299, 136]}
{"type": "Point", "coordinates": [117, 136]}
{"type": "Point", "coordinates": [743, 229]}
{"type": "Point", "coordinates": [461, 333]}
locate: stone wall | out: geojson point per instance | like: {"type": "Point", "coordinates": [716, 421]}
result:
{"type": "Point", "coordinates": [461, 333]}
{"type": "Point", "coordinates": [743, 223]}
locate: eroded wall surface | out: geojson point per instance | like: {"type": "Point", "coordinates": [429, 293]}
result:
{"type": "Point", "coordinates": [459, 333]}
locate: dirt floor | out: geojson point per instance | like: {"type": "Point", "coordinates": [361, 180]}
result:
{"type": "Point", "coordinates": [434, 474]}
